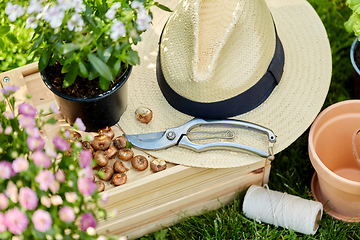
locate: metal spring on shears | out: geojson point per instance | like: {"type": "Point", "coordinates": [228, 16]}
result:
{"type": "Point", "coordinates": [229, 134]}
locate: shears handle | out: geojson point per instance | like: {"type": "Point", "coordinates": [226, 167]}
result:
{"type": "Point", "coordinates": [197, 122]}
{"type": "Point", "coordinates": [186, 143]}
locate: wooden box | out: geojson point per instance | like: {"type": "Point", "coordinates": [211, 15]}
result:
{"type": "Point", "coordinates": [148, 201]}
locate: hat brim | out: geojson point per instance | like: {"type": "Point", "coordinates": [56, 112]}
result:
{"type": "Point", "coordinates": [288, 112]}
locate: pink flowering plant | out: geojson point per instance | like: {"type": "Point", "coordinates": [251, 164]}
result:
{"type": "Point", "coordinates": [45, 192]}
{"type": "Point", "coordinates": [90, 38]}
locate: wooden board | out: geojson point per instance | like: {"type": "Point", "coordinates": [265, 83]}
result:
{"type": "Point", "coordinates": [148, 201]}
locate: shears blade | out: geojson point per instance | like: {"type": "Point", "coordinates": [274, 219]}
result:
{"type": "Point", "coordinates": [145, 137]}
{"type": "Point", "coordinates": [150, 141]}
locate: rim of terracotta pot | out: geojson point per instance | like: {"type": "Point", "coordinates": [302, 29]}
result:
{"type": "Point", "coordinates": [123, 80]}
{"type": "Point", "coordinates": [352, 50]}
{"type": "Point", "coordinates": [319, 166]}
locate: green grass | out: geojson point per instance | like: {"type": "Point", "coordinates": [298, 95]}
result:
{"type": "Point", "coordinates": [291, 171]}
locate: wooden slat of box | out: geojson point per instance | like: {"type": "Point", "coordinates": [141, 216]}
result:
{"type": "Point", "coordinates": [148, 201]}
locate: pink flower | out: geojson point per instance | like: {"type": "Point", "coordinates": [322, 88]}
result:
{"type": "Point", "coordinates": [60, 175]}
{"type": "Point", "coordinates": [41, 159]}
{"type": "Point", "coordinates": [85, 158]}
{"type": "Point", "coordinates": [86, 172]}
{"type": "Point", "coordinates": [35, 143]}
{"type": "Point", "coordinates": [42, 220]}
{"type": "Point", "coordinates": [56, 200]}
{"type": "Point", "coordinates": [9, 89]}
{"type": "Point", "coordinates": [61, 144]}
{"type": "Point", "coordinates": [67, 214]}
{"type": "Point", "coordinates": [28, 198]}
{"type": "Point", "coordinates": [79, 124]}
{"type": "Point", "coordinates": [12, 192]}
{"type": "Point", "coordinates": [86, 186]}
{"type": "Point", "coordinates": [54, 108]}
{"type": "Point", "coordinates": [16, 220]}
{"type": "Point", "coordinates": [6, 170]}
{"type": "Point", "coordinates": [45, 178]}
{"type": "Point", "coordinates": [50, 152]}
{"type": "Point", "coordinates": [20, 164]}
{"type": "Point", "coordinates": [26, 121]}
{"type": "Point", "coordinates": [54, 187]}
{"type": "Point", "coordinates": [2, 223]}
{"type": "Point", "coordinates": [33, 131]}
{"type": "Point", "coordinates": [27, 110]}
{"type": "Point", "coordinates": [104, 197]}
{"type": "Point", "coordinates": [8, 115]}
{"type": "Point", "coordinates": [87, 220]}
{"type": "Point", "coordinates": [4, 201]}
{"type": "Point", "coordinates": [8, 130]}
{"type": "Point", "coordinates": [101, 237]}
{"type": "Point", "coordinates": [46, 201]}
{"type": "Point", "coordinates": [71, 197]}
{"type": "Point", "coordinates": [67, 134]}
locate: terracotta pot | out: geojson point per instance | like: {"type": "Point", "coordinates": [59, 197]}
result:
{"type": "Point", "coordinates": [96, 112]}
{"type": "Point", "coordinates": [336, 182]}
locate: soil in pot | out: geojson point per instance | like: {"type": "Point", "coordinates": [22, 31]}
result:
{"type": "Point", "coordinates": [82, 87]}
{"type": "Point", "coordinates": [98, 111]}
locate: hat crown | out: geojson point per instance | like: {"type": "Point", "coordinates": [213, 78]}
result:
{"type": "Point", "coordinates": [215, 50]}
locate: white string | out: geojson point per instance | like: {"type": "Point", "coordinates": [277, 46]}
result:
{"type": "Point", "coordinates": [281, 209]}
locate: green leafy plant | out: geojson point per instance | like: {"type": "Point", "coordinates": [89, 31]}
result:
{"type": "Point", "coordinates": [14, 43]}
{"type": "Point", "coordinates": [45, 192]}
{"type": "Point", "coordinates": [353, 23]}
{"type": "Point", "coordinates": [90, 38]}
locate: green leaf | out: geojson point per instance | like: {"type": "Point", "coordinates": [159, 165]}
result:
{"type": "Point", "coordinates": [65, 68]}
{"type": "Point", "coordinates": [93, 75]}
{"type": "Point", "coordinates": [133, 58]}
{"type": "Point", "coordinates": [38, 41]}
{"type": "Point", "coordinates": [88, 15]}
{"type": "Point", "coordinates": [68, 61]}
{"type": "Point", "coordinates": [117, 66]}
{"type": "Point", "coordinates": [4, 29]}
{"type": "Point", "coordinates": [99, 51]}
{"type": "Point", "coordinates": [58, 46]}
{"type": "Point", "coordinates": [53, 59]}
{"type": "Point", "coordinates": [83, 70]}
{"type": "Point", "coordinates": [69, 47]}
{"type": "Point", "coordinates": [100, 67]}
{"type": "Point", "coordinates": [71, 76]}
{"type": "Point", "coordinates": [2, 45]}
{"type": "Point", "coordinates": [160, 235]}
{"type": "Point", "coordinates": [44, 59]}
{"type": "Point", "coordinates": [163, 7]}
{"type": "Point", "coordinates": [12, 38]}
{"type": "Point", "coordinates": [100, 8]}
{"type": "Point", "coordinates": [104, 84]}
{"type": "Point", "coordinates": [51, 120]}
{"type": "Point", "coordinates": [107, 53]}
{"type": "Point", "coordinates": [129, 145]}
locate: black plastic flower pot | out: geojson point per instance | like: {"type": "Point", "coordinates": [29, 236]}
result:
{"type": "Point", "coordinates": [95, 112]}
{"type": "Point", "coordinates": [353, 57]}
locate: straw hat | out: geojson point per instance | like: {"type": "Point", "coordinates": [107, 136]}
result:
{"type": "Point", "coordinates": [214, 51]}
